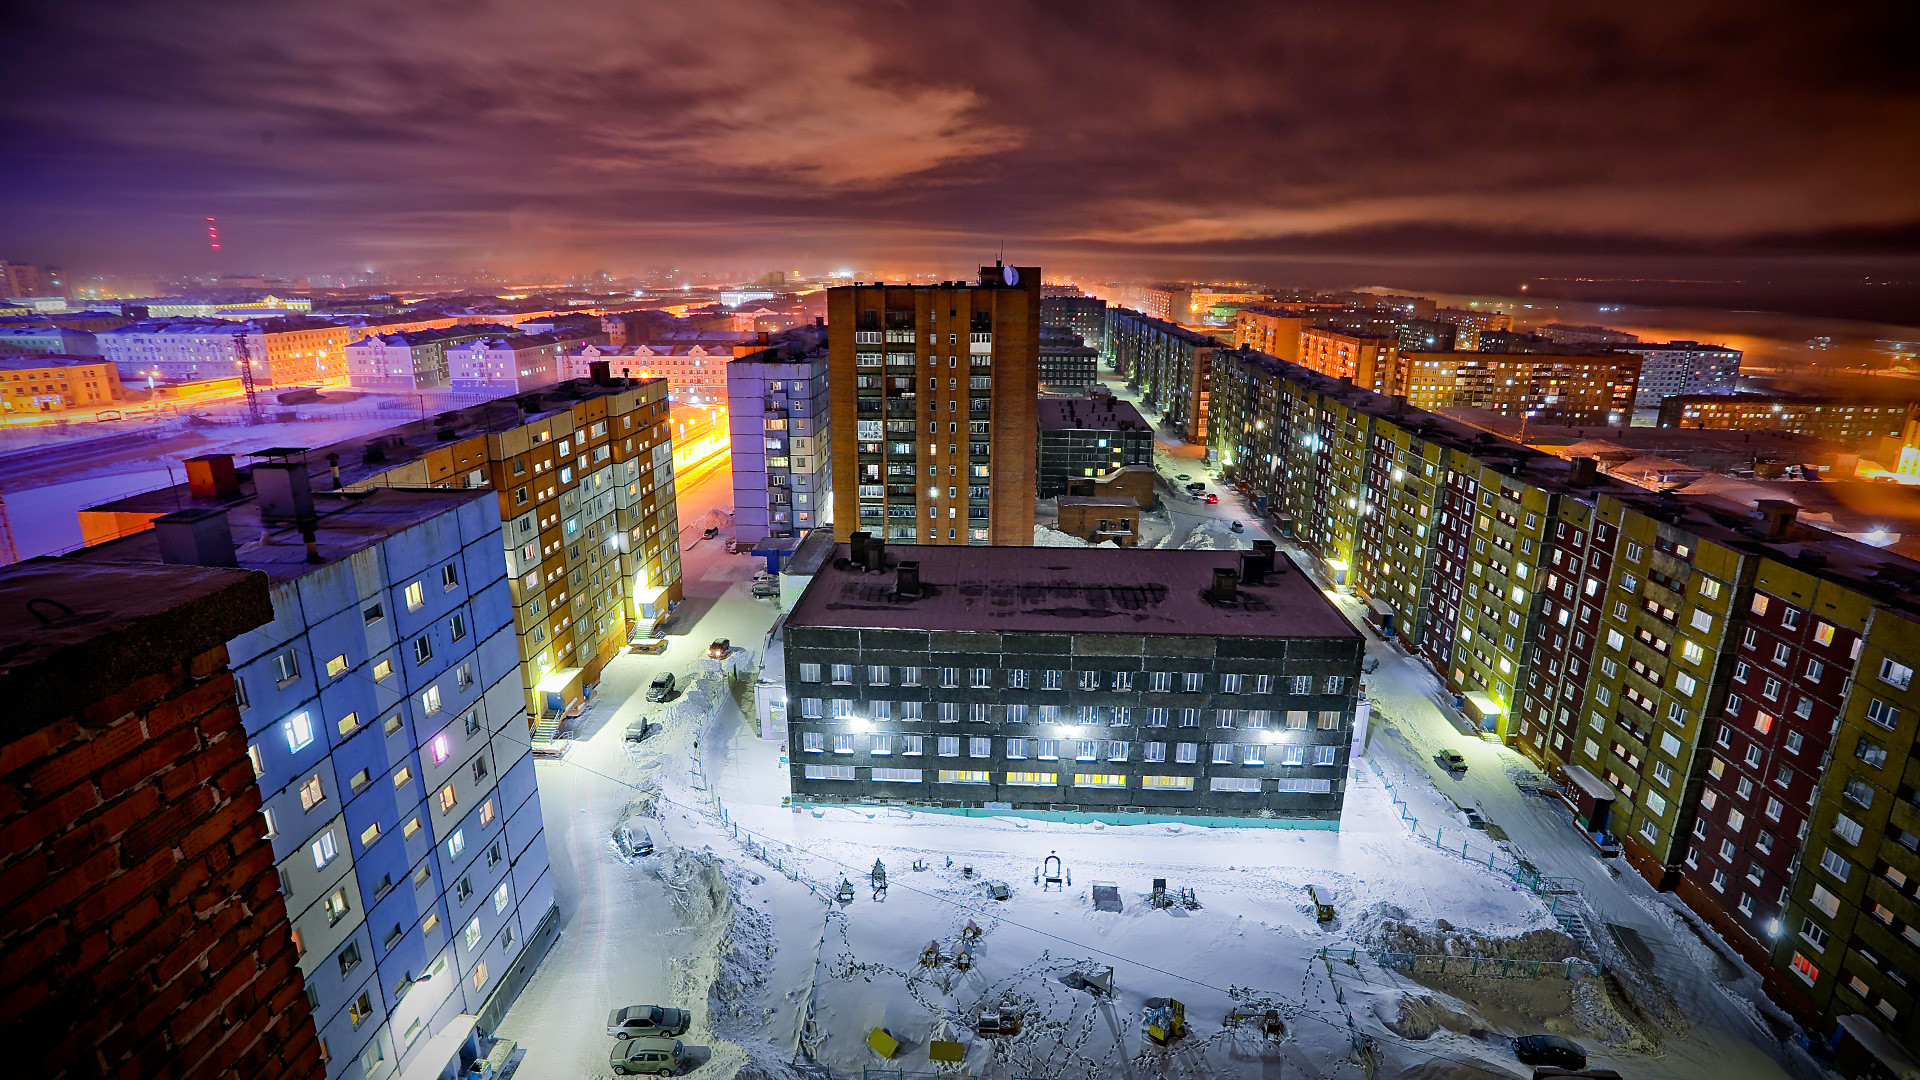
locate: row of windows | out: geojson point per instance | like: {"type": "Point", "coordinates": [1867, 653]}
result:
{"type": "Point", "coordinates": [1110, 716]}
{"type": "Point", "coordinates": [1056, 679]}
{"type": "Point", "coordinates": [1245, 784]}
{"type": "Point", "coordinates": [1222, 753]}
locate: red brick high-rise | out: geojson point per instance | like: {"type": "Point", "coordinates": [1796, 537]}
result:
{"type": "Point", "coordinates": [142, 928]}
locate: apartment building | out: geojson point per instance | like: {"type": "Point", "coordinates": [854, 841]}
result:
{"type": "Point", "coordinates": [284, 351]}
{"type": "Point", "coordinates": [382, 712]}
{"type": "Point", "coordinates": [920, 675]}
{"type": "Point", "coordinates": [1067, 364]}
{"type": "Point", "coordinates": [939, 452]}
{"type": "Point", "coordinates": [1270, 329]}
{"type": "Point", "coordinates": [1170, 366]}
{"type": "Point", "coordinates": [411, 359]}
{"type": "Point", "coordinates": [583, 474]}
{"type": "Point", "coordinates": [696, 373]}
{"type": "Point", "coordinates": [41, 383]}
{"type": "Point", "coordinates": [47, 339]}
{"type": "Point", "coordinates": [511, 364]}
{"type": "Point", "coordinates": [1849, 423]}
{"type": "Point", "coordinates": [782, 448]}
{"type": "Point", "coordinates": [1553, 389]}
{"type": "Point", "coordinates": [1718, 686]}
{"type": "Point", "coordinates": [1468, 325]}
{"type": "Point", "coordinates": [1683, 368]}
{"type": "Point", "coordinates": [1082, 315]}
{"type": "Point", "coordinates": [145, 934]}
{"type": "Point", "coordinates": [1370, 360]}
{"type": "Point", "coordinates": [1092, 436]}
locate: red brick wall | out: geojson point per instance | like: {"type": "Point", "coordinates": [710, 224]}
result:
{"type": "Point", "coordinates": [140, 912]}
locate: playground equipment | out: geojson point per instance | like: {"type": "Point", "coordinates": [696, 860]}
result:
{"type": "Point", "coordinates": [918, 864]}
{"type": "Point", "coordinates": [998, 890]}
{"type": "Point", "coordinates": [1321, 911]}
{"type": "Point", "coordinates": [970, 933]}
{"type": "Point", "coordinates": [962, 960]}
{"type": "Point", "coordinates": [1053, 873]}
{"type": "Point", "coordinates": [930, 956]}
{"type": "Point", "coordinates": [1099, 985]}
{"type": "Point", "coordinates": [1166, 1019]}
{"type": "Point", "coordinates": [878, 875]}
{"type": "Point", "coordinates": [882, 1042]}
{"type": "Point", "coordinates": [845, 893]}
{"type": "Point", "coordinates": [1268, 1019]}
{"type": "Point", "coordinates": [1188, 900]}
{"type": "Point", "coordinates": [998, 1022]}
{"type": "Point", "coordinates": [1106, 896]}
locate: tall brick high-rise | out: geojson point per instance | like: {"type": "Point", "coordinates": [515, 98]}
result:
{"type": "Point", "coordinates": [934, 391]}
{"type": "Point", "coordinates": [144, 933]}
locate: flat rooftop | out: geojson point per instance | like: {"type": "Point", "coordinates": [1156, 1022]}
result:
{"type": "Point", "coordinates": [349, 522]}
{"type": "Point", "coordinates": [1035, 590]}
{"type": "Point", "coordinates": [25, 361]}
{"type": "Point", "coordinates": [1105, 413]}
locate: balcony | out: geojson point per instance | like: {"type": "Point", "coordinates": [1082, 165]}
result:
{"type": "Point", "coordinates": [978, 343]}
{"type": "Point", "coordinates": [866, 337]}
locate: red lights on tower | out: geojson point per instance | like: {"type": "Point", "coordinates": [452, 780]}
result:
{"type": "Point", "coordinates": [213, 234]}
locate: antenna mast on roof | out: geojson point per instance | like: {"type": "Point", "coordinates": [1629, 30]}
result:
{"type": "Point", "coordinates": [246, 375]}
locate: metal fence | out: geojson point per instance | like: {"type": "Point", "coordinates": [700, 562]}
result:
{"type": "Point", "coordinates": [1485, 966]}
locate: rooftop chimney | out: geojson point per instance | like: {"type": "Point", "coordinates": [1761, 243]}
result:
{"type": "Point", "coordinates": [212, 477]}
{"type": "Point", "coordinates": [600, 371]}
{"type": "Point", "coordinates": [195, 537]}
{"type": "Point", "coordinates": [857, 547]}
{"type": "Point", "coordinates": [283, 490]}
{"type": "Point", "coordinates": [1585, 472]}
{"type": "Point", "coordinates": [908, 583]}
{"type": "Point", "coordinates": [1225, 586]}
{"type": "Point", "coordinates": [876, 555]}
{"type": "Point", "coordinates": [1255, 565]}
{"type": "Point", "coordinates": [1776, 518]}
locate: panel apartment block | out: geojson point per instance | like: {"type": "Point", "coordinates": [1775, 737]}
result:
{"type": "Point", "coordinates": [933, 388]}
{"type": "Point", "coordinates": [583, 472]}
{"type": "Point", "coordinates": [382, 713]}
{"type": "Point", "coordinates": [1093, 436]}
{"type": "Point", "coordinates": [1169, 365]}
{"type": "Point", "coordinates": [782, 452]}
{"type": "Point", "coordinates": [145, 932]}
{"type": "Point", "coordinates": [1122, 681]}
{"type": "Point", "coordinates": [1083, 315]}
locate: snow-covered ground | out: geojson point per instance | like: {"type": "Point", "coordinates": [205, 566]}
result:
{"type": "Point", "coordinates": [737, 918]}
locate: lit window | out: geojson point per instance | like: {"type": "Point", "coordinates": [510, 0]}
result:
{"type": "Point", "coordinates": [447, 798]}
{"type": "Point", "coordinates": [337, 665]}
{"type": "Point", "coordinates": [311, 793]}
{"type": "Point", "coordinates": [440, 748]}
{"type": "Point", "coordinates": [416, 596]}
{"type": "Point", "coordinates": [456, 843]}
{"type": "Point", "coordinates": [299, 731]}
{"type": "Point", "coordinates": [324, 850]}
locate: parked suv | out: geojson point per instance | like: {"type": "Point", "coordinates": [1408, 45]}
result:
{"type": "Point", "coordinates": [637, 1020]}
{"type": "Point", "coordinates": [661, 689]}
{"type": "Point", "coordinates": [662, 1057]}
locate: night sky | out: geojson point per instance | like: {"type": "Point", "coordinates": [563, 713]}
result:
{"type": "Point", "coordinates": [575, 136]}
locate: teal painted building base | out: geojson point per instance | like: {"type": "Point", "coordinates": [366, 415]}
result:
{"type": "Point", "coordinates": [1083, 817]}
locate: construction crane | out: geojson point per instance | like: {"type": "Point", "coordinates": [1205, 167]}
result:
{"type": "Point", "coordinates": [246, 376]}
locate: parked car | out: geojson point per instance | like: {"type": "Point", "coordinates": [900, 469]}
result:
{"type": "Point", "coordinates": [634, 840]}
{"type": "Point", "coordinates": [710, 532]}
{"type": "Point", "coordinates": [662, 1057]}
{"type": "Point", "coordinates": [1474, 818]}
{"type": "Point", "coordinates": [766, 590]}
{"type": "Point", "coordinates": [1196, 487]}
{"type": "Point", "coordinates": [661, 688]}
{"type": "Point", "coordinates": [638, 1020]}
{"type": "Point", "coordinates": [719, 649]}
{"type": "Point", "coordinates": [651, 646]}
{"type": "Point", "coordinates": [639, 729]}
{"type": "Point", "coordinates": [1549, 1050]}
{"type": "Point", "coordinates": [1184, 476]}
{"type": "Point", "coordinates": [1237, 527]}
{"type": "Point", "coordinates": [1454, 760]}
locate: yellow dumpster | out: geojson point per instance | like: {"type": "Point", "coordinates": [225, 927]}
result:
{"type": "Point", "coordinates": [950, 1052]}
{"type": "Point", "coordinates": [883, 1043]}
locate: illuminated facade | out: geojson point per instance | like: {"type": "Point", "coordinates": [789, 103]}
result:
{"type": "Point", "coordinates": [927, 449]}
{"type": "Point", "coordinates": [1843, 422]}
{"type": "Point", "coordinates": [1169, 365]}
{"type": "Point", "coordinates": [782, 450]}
{"type": "Point", "coordinates": [1553, 389]}
{"type": "Point", "coordinates": [1370, 360]}
{"type": "Point", "coordinates": [30, 384]}
{"type": "Point", "coordinates": [284, 351]}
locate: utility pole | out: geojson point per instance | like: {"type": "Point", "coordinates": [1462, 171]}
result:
{"type": "Point", "coordinates": [9, 551]}
{"type": "Point", "coordinates": [246, 376]}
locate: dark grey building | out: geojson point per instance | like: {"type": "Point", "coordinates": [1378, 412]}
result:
{"type": "Point", "coordinates": [1089, 436]}
{"type": "Point", "coordinates": [1067, 362]}
{"type": "Point", "coordinates": [1083, 315]}
{"type": "Point", "coordinates": [1117, 681]}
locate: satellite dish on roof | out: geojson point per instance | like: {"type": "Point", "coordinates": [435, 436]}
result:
{"type": "Point", "coordinates": [1009, 275]}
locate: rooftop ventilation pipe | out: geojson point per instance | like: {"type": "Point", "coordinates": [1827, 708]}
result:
{"type": "Point", "coordinates": [212, 477]}
{"type": "Point", "coordinates": [1776, 518]}
{"type": "Point", "coordinates": [284, 490]}
{"type": "Point", "coordinates": [908, 583]}
{"type": "Point", "coordinates": [1225, 586]}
